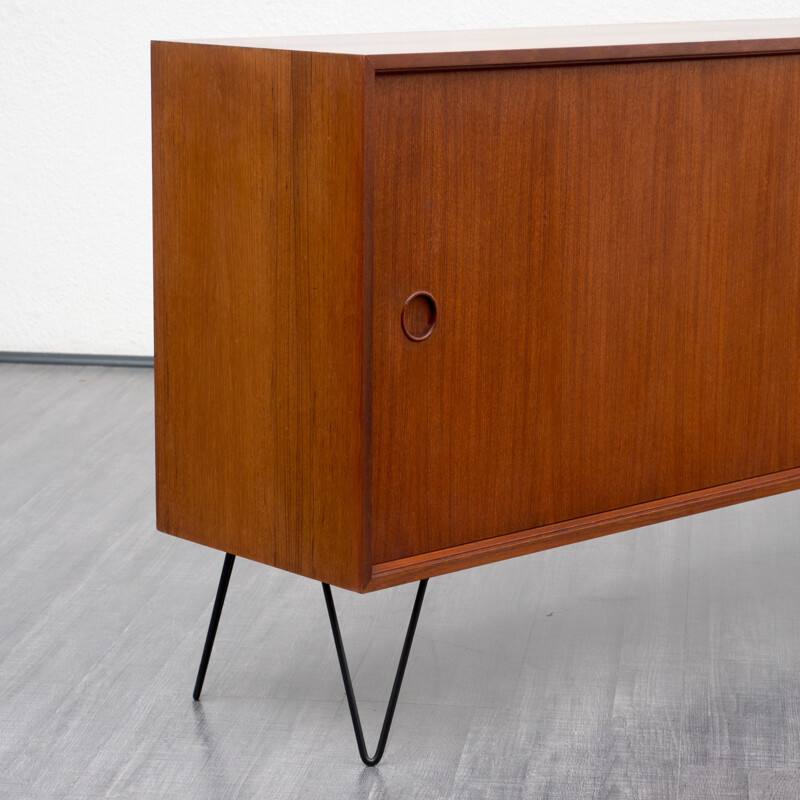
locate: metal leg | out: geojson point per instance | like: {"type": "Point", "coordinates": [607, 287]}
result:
{"type": "Point", "coordinates": [222, 590]}
{"type": "Point", "coordinates": [398, 680]}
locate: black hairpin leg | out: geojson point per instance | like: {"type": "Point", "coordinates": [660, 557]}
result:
{"type": "Point", "coordinates": [398, 679]}
{"type": "Point", "coordinates": [222, 590]}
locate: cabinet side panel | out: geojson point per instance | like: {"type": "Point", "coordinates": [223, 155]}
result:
{"type": "Point", "coordinates": [258, 194]}
{"type": "Point", "coordinates": [615, 252]}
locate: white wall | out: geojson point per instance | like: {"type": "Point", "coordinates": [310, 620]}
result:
{"type": "Point", "coordinates": [75, 246]}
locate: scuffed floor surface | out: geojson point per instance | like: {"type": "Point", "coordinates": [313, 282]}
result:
{"type": "Point", "coordinates": [658, 663]}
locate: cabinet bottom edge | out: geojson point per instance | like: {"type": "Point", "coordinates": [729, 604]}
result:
{"type": "Point", "coordinates": [498, 548]}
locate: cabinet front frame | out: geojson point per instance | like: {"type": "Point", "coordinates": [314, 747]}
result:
{"type": "Point", "coordinates": [429, 561]}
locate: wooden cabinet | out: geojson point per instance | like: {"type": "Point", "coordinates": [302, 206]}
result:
{"type": "Point", "coordinates": [426, 301]}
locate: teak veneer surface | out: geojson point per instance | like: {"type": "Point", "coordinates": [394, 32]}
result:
{"type": "Point", "coordinates": [443, 49]}
{"type": "Point", "coordinates": [615, 252]}
{"type": "Point", "coordinates": [610, 235]}
{"type": "Point", "coordinates": [258, 180]}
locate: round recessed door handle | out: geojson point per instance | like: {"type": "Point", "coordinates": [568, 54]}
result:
{"type": "Point", "coordinates": [418, 317]}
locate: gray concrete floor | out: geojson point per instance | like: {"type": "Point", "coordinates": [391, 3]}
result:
{"type": "Point", "coordinates": [658, 663]}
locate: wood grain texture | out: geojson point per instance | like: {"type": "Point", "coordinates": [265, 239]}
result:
{"type": "Point", "coordinates": [575, 43]}
{"type": "Point", "coordinates": [614, 250]}
{"type": "Point", "coordinates": [511, 545]}
{"type": "Point", "coordinates": [258, 227]}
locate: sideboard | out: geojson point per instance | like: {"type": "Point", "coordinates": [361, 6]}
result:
{"type": "Point", "coordinates": [426, 301]}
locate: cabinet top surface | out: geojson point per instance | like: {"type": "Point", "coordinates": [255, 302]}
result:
{"type": "Point", "coordinates": [628, 40]}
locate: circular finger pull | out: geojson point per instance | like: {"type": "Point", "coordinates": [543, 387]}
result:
{"type": "Point", "coordinates": [419, 316]}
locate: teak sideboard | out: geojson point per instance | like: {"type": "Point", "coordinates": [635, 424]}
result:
{"type": "Point", "coordinates": [427, 301]}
